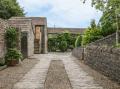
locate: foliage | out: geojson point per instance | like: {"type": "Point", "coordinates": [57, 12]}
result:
{"type": "Point", "coordinates": [13, 54]}
{"type": "Point", "coordinates": [11, 37]}
{"type": "Point", "coordinates": [78, 41]}
{"type": "Point", "coordinates": [55, 43]}
{"type": "Point", "coordinates": [63, 46]}
{"type": "Point", "coordinates": [116, 45]}
{"type": "Point", "coordinates": [10, 8]}
{"type": "Point", "coordinates": [11, 40]}
{"type": "Point", "coordinates": [52, 44]}
{"type": "Point", "coordinates": [91, 34]}
{"type": "Point", "coordinates": [111, 11]}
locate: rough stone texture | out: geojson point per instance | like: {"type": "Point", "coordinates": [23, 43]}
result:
{"type": "Point", "coordinates": [26, 26]}
{"type": "Point", "coordinates": [106, 41]}
{"type": "Point", "coordinates": [104, 59]}
{"type": "Point", "coordinates": [78, 52]}
{"type": "Point", "coordinates": [3, 26]}
{"type": "Point", "coordinates": [98, 77]}
{"type": "Point", "coordinates": [57, 77]}
{"type": "Point", "coordinates": [11, 75]}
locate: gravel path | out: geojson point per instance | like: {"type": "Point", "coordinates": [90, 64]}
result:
{"type": "Point", "coordinates": [57, 77]}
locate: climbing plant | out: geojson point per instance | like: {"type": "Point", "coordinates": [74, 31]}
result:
{"type": "Point", "coordinates": [11, 37]}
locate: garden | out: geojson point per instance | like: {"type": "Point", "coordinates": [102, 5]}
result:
{"type": "Point", "coordinates": [63, 42]}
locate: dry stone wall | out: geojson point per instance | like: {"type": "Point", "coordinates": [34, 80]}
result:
{"type": "Point", "coordinates": [106, 41]}
{"type": "Point", "coordinates": [105, 60]}
{"type": "Point", "coordinates": [102, 56]}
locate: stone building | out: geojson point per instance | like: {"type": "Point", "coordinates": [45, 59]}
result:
{"type": "Point", "coordinates": [34, 34]}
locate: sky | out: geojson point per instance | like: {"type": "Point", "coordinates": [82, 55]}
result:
{"type": "Point", "coordinates": [62, 13]}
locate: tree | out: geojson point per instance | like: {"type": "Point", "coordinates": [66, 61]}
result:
{"type": "Point", "coordinates": [9, 8]}
{"type": "Point", "coordinates": [111, 10]}
{"type": "Point", "coordinates": [92, 34]}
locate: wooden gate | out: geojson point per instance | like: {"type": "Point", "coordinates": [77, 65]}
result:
{"type": "Point", "coordinates": [24, 44]}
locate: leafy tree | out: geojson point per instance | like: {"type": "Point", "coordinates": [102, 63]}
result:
{"type": "Point", "coordinates": [9, 8]}
{"type": "Point", "coordinates": [91, 34]}
{"type": "Point", "coordinates": [111, 11]}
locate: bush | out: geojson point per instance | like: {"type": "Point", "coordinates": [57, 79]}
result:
{"type": "Point", "coordinates": [55, 42]}
{"type": "Point", "coordinates": [91, 35]}
{"type": "Point", "coordinates": [78, 41]}
{"type": "Point", "coordinates": [63, 46]}
{"type": "Point", "coordinates": [52, 44]}
{"type": "Point", "coordinates": [13, 54]}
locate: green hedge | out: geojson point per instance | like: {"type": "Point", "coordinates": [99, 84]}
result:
{"type": "Point", "coordinates": [61, 42]}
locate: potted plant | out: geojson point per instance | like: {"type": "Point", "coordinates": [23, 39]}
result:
{"type": "Point", "coordinates": [12, 57]}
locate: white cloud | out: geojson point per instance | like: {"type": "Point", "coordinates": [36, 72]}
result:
{"type": "Point", "coordinates": [72, 13]}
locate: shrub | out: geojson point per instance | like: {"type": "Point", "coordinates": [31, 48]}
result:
{"type": "Point", "coordinates": [54, 42]}
{"type": "Point", "coordinates": [91, 35]}
{"type": "Point", "coordinates": [13, 54]}
{"type": "Point", "coordinates": [63, 46]}
{"type": "Point", "coordinates": [78, 41]}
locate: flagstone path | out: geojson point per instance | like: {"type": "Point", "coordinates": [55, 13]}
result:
{"type": "Point", "coordinates": [53, 71]}
{"type": "Point", "coordinates": [65, 73]}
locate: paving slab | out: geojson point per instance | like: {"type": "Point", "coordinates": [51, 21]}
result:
{"type": "Point", "coordinates": [39, 76]}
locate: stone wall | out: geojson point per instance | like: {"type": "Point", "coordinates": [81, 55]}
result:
{"type": "Point", "coordinates": [105, 60]}
{"type": "Point", "coordinates": [26, 26]}
{"type": "Point", "coordinates": [110, 40]}
{"type": "Point", "coordinates": [101, 56]}
{"type": "Point", "coordinates": [3, 26]}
